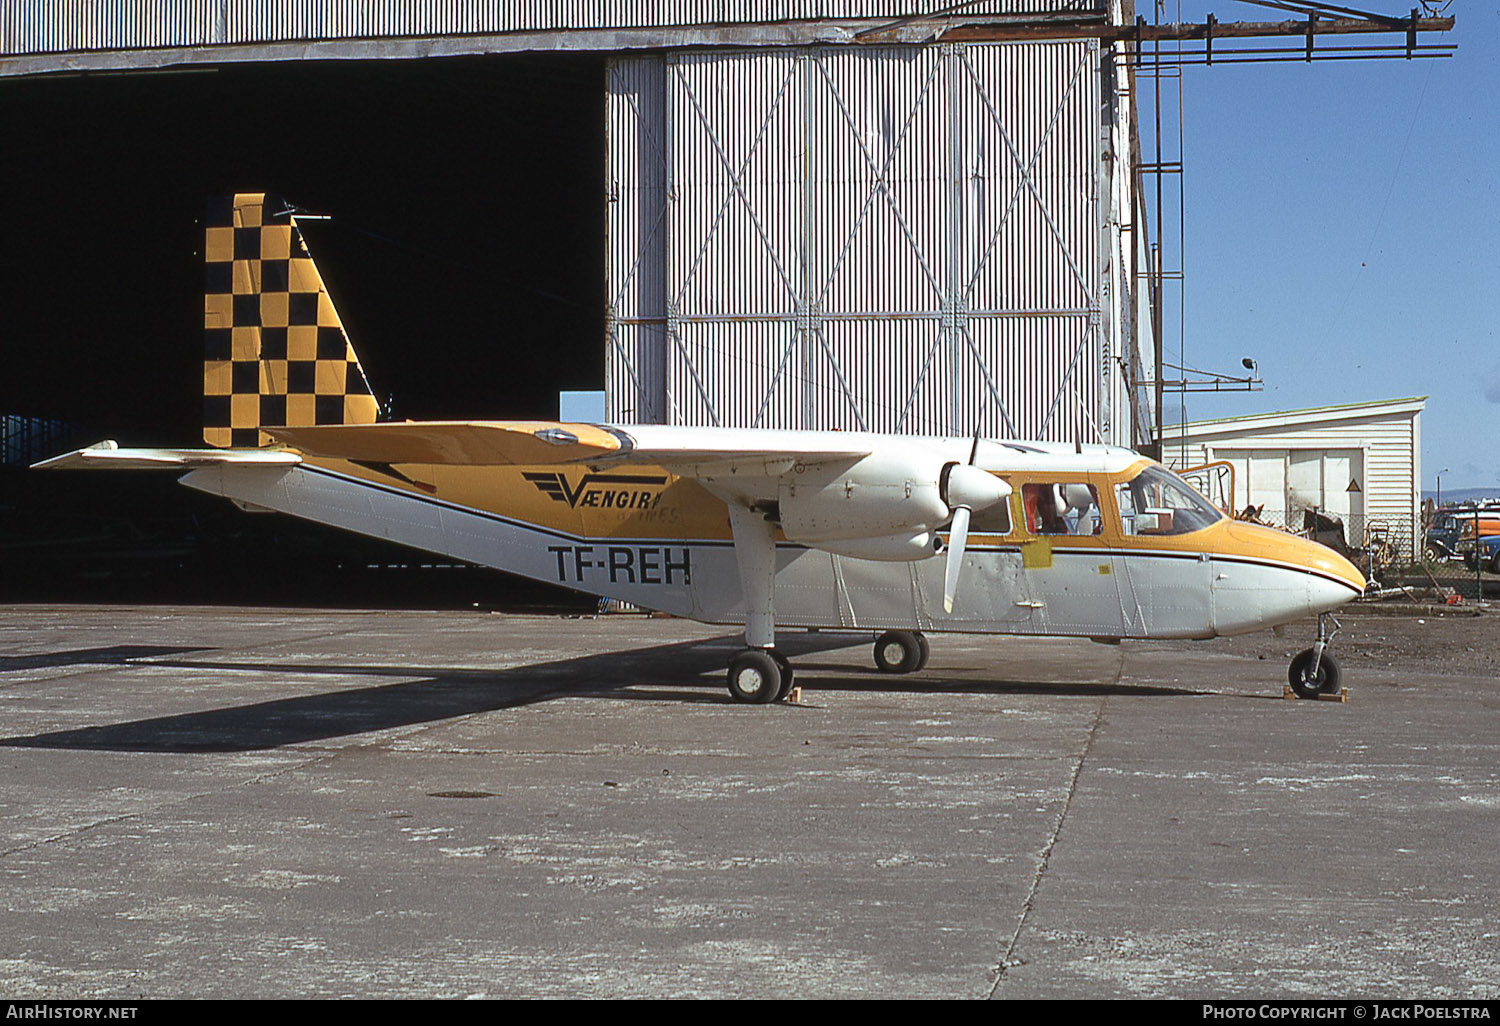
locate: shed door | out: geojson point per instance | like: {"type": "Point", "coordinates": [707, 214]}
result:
{"type": "Point", "coordinates": [1267, 480]}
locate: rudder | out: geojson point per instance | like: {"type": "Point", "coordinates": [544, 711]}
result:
{"type": "Point", "coordinates": [275, 352]}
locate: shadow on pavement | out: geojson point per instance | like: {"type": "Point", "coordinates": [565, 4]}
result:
{"type": "Point", "coordinates": [442, 693]}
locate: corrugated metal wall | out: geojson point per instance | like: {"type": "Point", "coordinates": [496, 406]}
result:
{"type": "Point", "coordinates": [893, 239]}
{"type": "Point", "coordinates": [636, 317]}
{"type": "Point", "coordinates": [57, 26]}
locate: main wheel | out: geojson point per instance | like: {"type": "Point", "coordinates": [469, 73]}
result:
{"type": "Point", "coordinates": [1305, 683]}
{"type": "Point", "coordinates": [1495, 563]}
{"type": "Point", "coordinates": [754, 677]}
{"type": "Point", "coordinates": [899, 652]}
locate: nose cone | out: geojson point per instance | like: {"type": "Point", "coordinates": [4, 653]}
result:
{"type": "Point", "coordinates": [1264, 577]}
{"type": "Point", "coordinates": [1313, 558]}
{"type": "Point", "coordinates": [1324, 560]}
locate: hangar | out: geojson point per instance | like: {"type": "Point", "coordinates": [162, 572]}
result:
{"type": "Point", "coordinates": [895, 215]}
{"type": "Point", "coordinates": [898, 215]}
{"type": "Point", "coordinates": [799, 214]}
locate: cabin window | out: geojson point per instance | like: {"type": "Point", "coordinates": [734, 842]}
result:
{"type": "Point", "coordinates": [1063, 507]}
{"type": "Point", "coordinates": [1157, 502]}
{"type": "Point", "coordinates": [995, 520]}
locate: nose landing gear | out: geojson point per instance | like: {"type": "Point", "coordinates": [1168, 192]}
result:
{"type": "Point", "coordinates": [1314, 672]}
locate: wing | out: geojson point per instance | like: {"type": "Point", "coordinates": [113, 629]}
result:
{"type": "Point", "coordinates": [474, 443]}
{"type": "Point", "coordinates": [491, 443]}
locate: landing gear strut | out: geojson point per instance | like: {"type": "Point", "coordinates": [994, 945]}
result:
{"type": "Point", "coordinates": [901, 651]}
{"type": "Point", "coordinates": [759, 675]}
{"type": "Point", "coordinates": [1314, 671]}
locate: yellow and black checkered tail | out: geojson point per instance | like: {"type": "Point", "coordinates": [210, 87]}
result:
{"type": "Point", "coordinates": [275, 351]}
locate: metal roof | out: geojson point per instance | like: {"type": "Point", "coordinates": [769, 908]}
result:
{"type": "Point", "coordinates": [79, 28]}
{"type": "Point", "coordinates": [1312, 415]}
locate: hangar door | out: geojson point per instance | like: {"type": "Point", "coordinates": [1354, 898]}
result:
{"type": "Point", "coordinates": [1287, 481]}
{"type": "Point", "coordinates": [893, 239]}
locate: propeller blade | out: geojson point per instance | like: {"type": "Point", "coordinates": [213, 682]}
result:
{"type": "Point", "coordinates": [958, 538]}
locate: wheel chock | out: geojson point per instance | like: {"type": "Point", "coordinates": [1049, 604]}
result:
{"type": "Point", "coordinates": [794, 696]}
{"type": "Point", "coordinates": [1342, 696]}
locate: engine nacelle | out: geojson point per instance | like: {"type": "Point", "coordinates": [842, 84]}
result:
{"type": "Point", "coordinates": [890, 549]}
{"type": "Point", "coordinates": [890, 503]}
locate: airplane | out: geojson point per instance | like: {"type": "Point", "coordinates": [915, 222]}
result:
{"type": "Point", "coordinates": [896, 535]}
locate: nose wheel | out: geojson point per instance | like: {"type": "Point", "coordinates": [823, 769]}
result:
{"type": "Point", "coordinates": [1314, 671]}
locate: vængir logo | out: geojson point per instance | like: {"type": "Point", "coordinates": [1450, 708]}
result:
{"type": "Point", "coordinates": [603, 491]}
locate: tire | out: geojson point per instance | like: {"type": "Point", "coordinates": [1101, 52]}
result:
{"type": "Point", "coordinates": [926, 652]}
{"type": "Point", "coordinates": [754, 677]}
{"type": "Point", "coordinates": [1495, 563]}
{"type": "Point", "coordinates": [787, 675]}
{"type": "Point", "coordinates": [1305, 684]}
{"type": "Point", "coordinates": [898, 652]}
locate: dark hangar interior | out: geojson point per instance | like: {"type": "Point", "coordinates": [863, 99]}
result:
{"type": "Point", "coordinates": [464, 249]}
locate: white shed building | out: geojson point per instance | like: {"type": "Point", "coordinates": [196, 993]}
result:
{"type": "Point", "coordinates": [1360, 462]}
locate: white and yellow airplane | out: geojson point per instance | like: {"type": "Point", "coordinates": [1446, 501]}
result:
{"type": "Point", "coordinates": [897, 535]}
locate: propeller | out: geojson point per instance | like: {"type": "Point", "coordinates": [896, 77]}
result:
{"type": "Point", "coordinates": [965, 488]}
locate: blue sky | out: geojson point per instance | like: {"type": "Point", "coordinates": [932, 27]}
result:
{"type": "Point", "coordinates": [1341, 229]}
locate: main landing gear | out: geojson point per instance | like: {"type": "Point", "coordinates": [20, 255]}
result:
{"type": "Point", "coordinates": [901, 652]}
{"type": "Point", "coordinates": [759, 676]}
{"type": "Point", "coordinates": [1314, 671]}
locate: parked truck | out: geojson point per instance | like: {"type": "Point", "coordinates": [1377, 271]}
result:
{"type": "Point", "coordinates": [1485, 549]}
{"type": "Point", "coordinates": [1448, 526]}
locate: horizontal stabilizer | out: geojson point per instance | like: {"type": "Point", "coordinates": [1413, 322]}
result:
{"type": "Point", "coordinates": [109, 456]}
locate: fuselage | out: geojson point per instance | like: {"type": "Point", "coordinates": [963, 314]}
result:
{"type": "Point", "coordinates": [1088, 543]}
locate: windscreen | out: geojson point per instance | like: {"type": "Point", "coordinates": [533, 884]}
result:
{"type": "Point", "coordinates": [1157, 501]}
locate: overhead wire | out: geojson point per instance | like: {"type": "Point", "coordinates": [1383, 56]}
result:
{"type": "Point", "coordinates": [1385, 204]}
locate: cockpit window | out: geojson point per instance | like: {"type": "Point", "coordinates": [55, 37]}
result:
{"type": "Point", "coordinates": [1064, 507]}
{"type": "Point", "coordinates": [1157, 501]}
{"type": "Point", "coordinates": [995, 520]}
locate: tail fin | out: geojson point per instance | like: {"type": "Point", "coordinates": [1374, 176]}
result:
{"type": "Point", "coordinates": [275, 352]}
